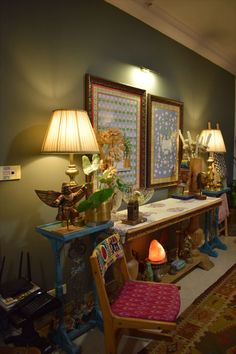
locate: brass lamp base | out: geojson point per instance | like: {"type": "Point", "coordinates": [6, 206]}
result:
{"type": "Point", "coordinates": [210, 173]}
{"type": "Point", "coordinates": [72, 171]}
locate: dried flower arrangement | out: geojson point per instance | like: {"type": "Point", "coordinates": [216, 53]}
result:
{"type": "Point", "coordinates": [111, 147]}
{"type": "Point", "coordinates": [192, 148]}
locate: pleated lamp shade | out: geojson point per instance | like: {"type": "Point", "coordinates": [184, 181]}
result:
{"type": "Point", "coordinates": [70, 132]}
{"type": "Point", "coordinates": [215, 143]}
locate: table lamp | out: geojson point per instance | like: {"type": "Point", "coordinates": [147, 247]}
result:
{"type": "Point", "coordinates": [70, 132]}
{"type": "Point", "coordinates": [215, 144]}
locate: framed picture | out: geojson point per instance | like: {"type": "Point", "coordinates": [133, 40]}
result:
{"type": "Point", "coordinates": [165, 118]}
{"type": "Point", "coordinates": [114, 105]}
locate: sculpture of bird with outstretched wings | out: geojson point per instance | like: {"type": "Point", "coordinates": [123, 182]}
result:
{"type": "Point", "coordinates": [64, 201]}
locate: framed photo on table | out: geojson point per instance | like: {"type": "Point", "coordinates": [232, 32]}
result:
{"type": "Point", "coordinates": [165, 118]}
{"type": "Point", "coordinates": [114, 105]}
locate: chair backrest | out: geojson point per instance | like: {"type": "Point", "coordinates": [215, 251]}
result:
{"type": "Point", "coordinates": [108, 252]}
{"type": "Point", "coordinates": [105, 254]}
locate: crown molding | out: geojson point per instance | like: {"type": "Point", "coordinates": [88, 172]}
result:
{"type": "Point", "coordinates": [160, 20]}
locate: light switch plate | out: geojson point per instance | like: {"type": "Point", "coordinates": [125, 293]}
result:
{"type": "Point", "coordinates": [9, 173]}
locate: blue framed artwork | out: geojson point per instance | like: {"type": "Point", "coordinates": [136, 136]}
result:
{"type": "Point", "coordinates": [114, 105]}
{"type": "Point", "coordinates": [165, 118]}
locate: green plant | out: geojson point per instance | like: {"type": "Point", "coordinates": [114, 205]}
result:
{"type": "Point", "coordinates": [95, 199]}
{"type": "Point", "coordinates": [110, 179]}
{"type": "Point", "coordinates": [108, 182]}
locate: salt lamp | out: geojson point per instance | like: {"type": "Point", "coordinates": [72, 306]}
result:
{"type": "Point", "coordinates": [157, 253]}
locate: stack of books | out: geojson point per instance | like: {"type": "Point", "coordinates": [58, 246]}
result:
{"type": "Point", "coordinates": [7, 303]}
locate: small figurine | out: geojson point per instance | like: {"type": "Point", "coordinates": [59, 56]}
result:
{"type": "Point", "coordinates": [65, 201]}
{"type": "Point", "coordinates": [186, 251]}
{"type": "Point", "coordinates": [148, 272]}
{"type": "Point", "coordinates": [184, 180]}
{"type": "Point", "coordinates": [201, 184]}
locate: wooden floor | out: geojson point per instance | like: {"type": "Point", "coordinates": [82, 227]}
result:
{"type": "Point", "coordinates": [232, 222]}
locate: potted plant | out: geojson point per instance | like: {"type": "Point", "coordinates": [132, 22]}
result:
{"type": "Point", "coordinates": [98, 205]}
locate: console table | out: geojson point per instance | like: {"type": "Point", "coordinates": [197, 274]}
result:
{"type": "Point", "coordinates": [58, 236]}
{"type": "Point", "coordinates": [163, 214]}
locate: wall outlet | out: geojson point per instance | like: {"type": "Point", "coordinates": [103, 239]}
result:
{"type": "Point", "coordinates": [10, 173]}
{"type": "Point", "coordinates": [53, 291]}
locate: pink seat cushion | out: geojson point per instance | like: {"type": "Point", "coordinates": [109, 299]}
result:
{"type": "Point", "coordinates": [148, 301]}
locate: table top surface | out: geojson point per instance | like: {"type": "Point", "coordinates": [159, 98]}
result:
{"type": "Point", "coordinates": [158, 214]}
{"type": "Point", "coordinates": [164, 212]}
{"type": "Point", "coordinates": [55, 231]}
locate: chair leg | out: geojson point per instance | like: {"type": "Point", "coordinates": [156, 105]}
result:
{"type": "Point", "coordinates": [224, 227]}
{"type": "Point", "coordinates": [110, 340]}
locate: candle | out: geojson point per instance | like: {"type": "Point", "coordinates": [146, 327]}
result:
{"type": "Point", "coordinates": [197, 145]}
{"type": "Point", "coordinates": [181, 137]}
{"type": "Point", "coordinates": [196, 149]}
{"type": "Point", "coordinates": [189, 138]}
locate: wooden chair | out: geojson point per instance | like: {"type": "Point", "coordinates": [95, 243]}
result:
{"type": "Point", "coordinates": [223, 216]}
{"type": "Point", "coordinates": [223, 227]}
{"type": "Point", "coordinates": [140, 306]}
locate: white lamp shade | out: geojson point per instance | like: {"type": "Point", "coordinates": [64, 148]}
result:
{"type": "Point", "coordinates": [70, 131]}
{"type": "Point", "coordinates": [215, 143]}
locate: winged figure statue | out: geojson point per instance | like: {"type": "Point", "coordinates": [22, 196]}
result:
{"type": "Point", "coordinates": [65, 201]}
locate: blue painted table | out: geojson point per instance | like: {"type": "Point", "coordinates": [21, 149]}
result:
{"type": "Point", "coordinates": [215, 241]}
{"type": "Point", "coordinates": [58, 236]}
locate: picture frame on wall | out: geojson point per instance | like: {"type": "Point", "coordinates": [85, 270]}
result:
{"type": "Point", "coordinates": [114, 105]}
{"type": "Point", "coordinates": [165, 118]}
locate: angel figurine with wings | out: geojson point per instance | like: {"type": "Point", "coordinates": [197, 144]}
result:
{"type": "Point", "coordinates": [65, 201]}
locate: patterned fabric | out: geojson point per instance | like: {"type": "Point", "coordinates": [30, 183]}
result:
{"type": "Point", "coordinates": [159, 211]}
{"type": "Point", "coordinates": [108, 251]}
{"type": "Point", "coordinates": [224, 208]}
{"type": "Point", "coordinates": [150, 301]}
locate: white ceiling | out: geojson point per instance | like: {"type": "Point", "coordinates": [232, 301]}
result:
{"type": "Point", "coordinates": [208, 27]}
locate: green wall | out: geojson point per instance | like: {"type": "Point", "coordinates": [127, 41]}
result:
{"type": "Point", "coordinates": [47, 46]}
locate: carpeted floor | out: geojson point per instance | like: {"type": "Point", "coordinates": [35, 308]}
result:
{"type": "Point", "coordinates": [208, 326]}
